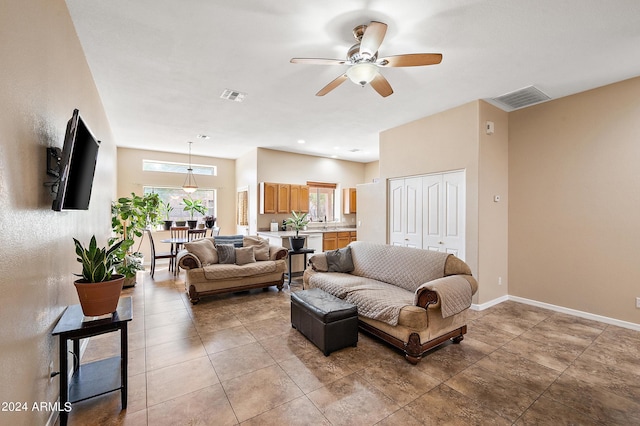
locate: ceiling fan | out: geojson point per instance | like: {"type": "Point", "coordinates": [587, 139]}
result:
{"type": "Point", "coordinates": [363, 61]}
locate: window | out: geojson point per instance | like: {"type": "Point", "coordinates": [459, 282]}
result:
{"type": "Point", "coordinates": [322, 201]}
{"type": "Point", "coordinates": [175, 195]}
{"type": "Point", "coordinates": [168, 167]}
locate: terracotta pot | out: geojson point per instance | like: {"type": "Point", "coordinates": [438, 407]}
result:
{"type": "Point", "coordinates": [99, 298]}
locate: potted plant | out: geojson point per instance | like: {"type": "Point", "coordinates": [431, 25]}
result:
{"type": "Point", "coordinates": [193, 206]}
{"type": "Point", "coordinates": [209, 221]}
{"type": "Point", "coordinates": [99, 288]}
{"type": "Point", "coordinates": [297, 221]}
{"type": "Point", "coordinates": [166, 208]}
{"type": "Point", "coordinates": [130, 216]}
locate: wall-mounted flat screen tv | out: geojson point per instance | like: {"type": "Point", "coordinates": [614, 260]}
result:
{"type": "Point", "coordinates": [77, 166]}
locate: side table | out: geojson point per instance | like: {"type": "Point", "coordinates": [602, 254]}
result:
{"type": "Point", "coordinates": [98, 377]}
{"type": "Point", "coordinates": [303, 251]}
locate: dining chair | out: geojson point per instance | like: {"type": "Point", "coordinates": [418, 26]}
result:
{"type": "Point", "coordinates": [196, 234]}
{"type": "Point", "coordinates": [158, 255]}
{"type": "Point", "coordinates": [215, 231]}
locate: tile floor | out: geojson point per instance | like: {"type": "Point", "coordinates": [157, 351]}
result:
{"type": "Point", "coordinates": [235, 359]}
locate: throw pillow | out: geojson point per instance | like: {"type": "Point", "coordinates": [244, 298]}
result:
{"type": "Point", "coordinates": [244, 255]}
{"type": "Point", "coordinates": [340, 260]}
{"type": "Point", "coordinates": [203, 250]}
{"type": "Point", "coordinates": [226, 253]}
{"type": "Point", "coordinates": [260, 247]}
{"type": "Point", "coordinates": [319, 262]}
{"type": "Point", "coordinates": [236, 240]}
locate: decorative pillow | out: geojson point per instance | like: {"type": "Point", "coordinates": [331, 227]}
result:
{"type": "Point", "coordinates": [319, 262]}
{"type": "Point", "coordinates": [203, 250]}
{"type": "Point", "coordinates": [244, 255]}
{"type": "Point", "coordinates": [340, 260]}
{"type": "Point", "coordinates": [236, 240]}
{"type": "Point", "coordinates": [260, 247]}
{"type": "Point", "coordinates": [226, 253]}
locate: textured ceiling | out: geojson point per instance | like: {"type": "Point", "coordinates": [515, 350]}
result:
{"type": "Point", "coordinates": [161, 66]}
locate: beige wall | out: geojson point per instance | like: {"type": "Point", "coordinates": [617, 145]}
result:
{"type": "Point", "coordinates": [456, 140]}
{"type": "Point", "coordinates": [371, 171]}
{"type": "Point", "coordinates": [493, 217]}
{"type": "Point", "coordinates": [131, 178]}
{"type": "Point", "coordinates": [438, 143]}
{"type": "Point", "coordinates": [285, 167]}
{"type": "Point", "coordinates": [44, 77]}
{"type": "Point", "coordinates": [574, 198]}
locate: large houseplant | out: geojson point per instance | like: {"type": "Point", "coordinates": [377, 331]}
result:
{"type": "Point", "coordinates": [130, 216]}
{"type": "Point", "coordinates": [297, 221]}
{"type": "Point", "coordinates": [99, 288]}
{"type": "Point", "coordinates": [193, 206]}
{"type": "Point", "coordinates": [166, 208]}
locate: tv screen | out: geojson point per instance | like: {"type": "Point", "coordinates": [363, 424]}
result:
{"type": "Point", "coordinates": [77, 166]}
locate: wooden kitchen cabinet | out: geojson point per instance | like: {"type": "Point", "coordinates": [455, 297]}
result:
{"type": "Point", "coordinates": [354, 236]}
{"type": "Point", "coordinates": [268, 197]}
{"type": "Point", "coordinates": [304, 199]}
{"type": "Point", "coordinates": [299, 198]}
{"type": "Point", "coordinates": [329, 241]}
{"type": "Point", "coordinates": [344, 238]}
{"type": "Point", "coordinates": [349, 200]}
{"type": "Point", "coordinates": [284, 196]}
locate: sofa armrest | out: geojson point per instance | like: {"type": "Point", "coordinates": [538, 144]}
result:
{"type": "Point", "coordinates": [457, 290]}
{"type": "Point", "coordinates": [277, 252]}
{"type": "Point", "coordinates": [188, 260]}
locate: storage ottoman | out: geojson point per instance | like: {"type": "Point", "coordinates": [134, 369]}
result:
{"type": "Point", "coordinates": [327, 321]}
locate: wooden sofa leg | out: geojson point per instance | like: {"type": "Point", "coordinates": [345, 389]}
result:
{"type": "Point", "coordinates": [412, 349]}
{"type": "Point", "coordinates": [193, 295]}
{"type": "Point", "coordinates": [458, 339]}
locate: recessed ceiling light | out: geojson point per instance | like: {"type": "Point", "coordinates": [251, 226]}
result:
{"type": "Point", "coordinates": [334, 156]}
{"type": "Point", "coordinates": [301, 141]}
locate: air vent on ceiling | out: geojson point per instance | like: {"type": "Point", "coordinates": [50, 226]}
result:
{"type": "Point", "coordinates": [355, 150]}
{"type": "Point", "coordinates": [233, 95]}
{"type": "Point", "coordinates": [521, 98]}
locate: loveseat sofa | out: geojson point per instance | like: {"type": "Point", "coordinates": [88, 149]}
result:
{"type": "Point", "coordinates": [412, 299]}
{"type": "Point", "coordinates": [226, 264]}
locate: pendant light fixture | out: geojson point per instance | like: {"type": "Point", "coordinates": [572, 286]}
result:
{"type": "Point", "coordinates": [190, 184]}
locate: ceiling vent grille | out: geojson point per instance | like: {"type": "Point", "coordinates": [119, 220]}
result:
{"type": "Point", "coordinates": [233, 95]}
{"type": "Point", "coordinates": [521, 98]}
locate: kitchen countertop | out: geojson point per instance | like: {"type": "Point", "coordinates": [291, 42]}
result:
{"type": "Point", "coordinates": [286, 234]}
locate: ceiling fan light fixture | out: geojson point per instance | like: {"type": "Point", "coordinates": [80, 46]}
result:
{"type": "Point", "coordinates": [362, 73]}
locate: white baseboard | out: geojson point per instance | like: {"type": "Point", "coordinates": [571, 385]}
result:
{"type": "Point", "coordinates": [556, 308]}
{"type": "Point", "coordinates": [489, 304]}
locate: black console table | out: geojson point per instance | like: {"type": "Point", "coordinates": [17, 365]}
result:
{"type": "Point", "coordinates": [305, 252]}
{"type": "Point", "coordinates": [98, 377]}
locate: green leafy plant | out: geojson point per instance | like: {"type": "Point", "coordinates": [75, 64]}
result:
{"type": "Point", "coordinates": [297, 221]}
{"type": "Point", "coordinates": [194, 206]}
{"type": "Point", "coordinates": [166, 209]}
{"type": "Point", "coordinates": [98, 264]}
{"type": "Point", "coordinates": [129, 218]}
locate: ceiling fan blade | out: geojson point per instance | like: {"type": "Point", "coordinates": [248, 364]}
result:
{"type": "Point", "coordinates": [372, 38]}
{"type": "Point", "coordinates": [329, 87]}
{"type": "Point", "coordinates": [410, 60]}
{"type": "Point", "coordinates": [318, 61]}
{"type": "Point", "coordinates": [381, 85]}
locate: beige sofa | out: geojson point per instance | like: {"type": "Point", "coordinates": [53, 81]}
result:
{"type": "Point", "coordinates": [413, 299]}
{"type": "Point", "coordinates": [206, 276]}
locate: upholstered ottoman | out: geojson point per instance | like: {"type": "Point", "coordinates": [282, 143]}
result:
{"type": "Point", "coordinates": [328, 322]}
